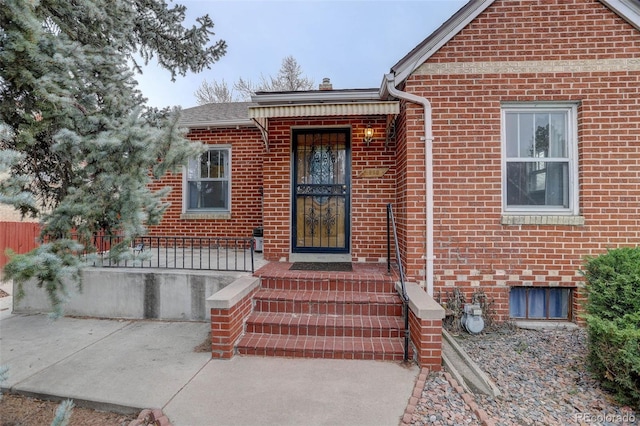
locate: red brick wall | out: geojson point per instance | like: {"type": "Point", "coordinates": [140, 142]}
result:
{"type": "Point", "coordinates": [411, 194]}
{"type": "Point", "coordinates": [426, 335]}
{"type": "Point", "coordinates": [473, 250]}
{"type": "Point", "coordinates": [227, 326]}
{"type": "Point", "coordinates": [535, 30]}
{"type": "Point", "coordinates": [247, 150]}
{"type": "Point", "coordinates": [369, 196]}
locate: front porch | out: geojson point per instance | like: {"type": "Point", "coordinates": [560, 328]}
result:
{"type": "Point", "coordinates": [276, 311]}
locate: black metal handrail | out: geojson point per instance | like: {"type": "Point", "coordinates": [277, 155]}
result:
{"type": "Point", "coordinates": [391, 226]}
{"type": "Point", "coordinates": [174, 252]}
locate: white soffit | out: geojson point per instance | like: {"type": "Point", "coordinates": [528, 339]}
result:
{"type": "Point", "coordinates": [323, 110]}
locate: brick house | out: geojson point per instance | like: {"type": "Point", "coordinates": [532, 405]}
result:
{"type": "Point", "coordinates": [507, 142]}
{"type": "Point", "coordinates": [536, 151]}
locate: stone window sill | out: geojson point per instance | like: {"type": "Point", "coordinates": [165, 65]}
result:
{"type": "Point", "coordinates": [513, 219]}
{"type": "Point", "coordinates": [205, 215]}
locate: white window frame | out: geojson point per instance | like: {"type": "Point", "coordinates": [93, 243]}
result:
{"type": "Point", "coordinates": [571, 110]}
{"type": "Point", "coordinates": [186, 180]}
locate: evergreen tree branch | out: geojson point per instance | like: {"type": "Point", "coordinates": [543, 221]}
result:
{"type": "Point", "coordinates": [81, 149]}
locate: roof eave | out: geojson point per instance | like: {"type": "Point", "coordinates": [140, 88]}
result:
{"type": "Point", "coordinates": [407, 65]}
{"type": "Point", "coordinates": [324, 109]}
{"type": "Point", "coordinates": [629, 10]}
{"type": "Point", "coordinates": [218, 123]}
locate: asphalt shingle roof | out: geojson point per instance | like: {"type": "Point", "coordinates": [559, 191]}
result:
{"type": "Point", "coordinates": [215, 113]}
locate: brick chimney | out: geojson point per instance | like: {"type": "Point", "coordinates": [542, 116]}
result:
{"type": "Point", "coordinates": [326, 84]}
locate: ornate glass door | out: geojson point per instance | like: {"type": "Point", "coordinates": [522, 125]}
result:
{"type": "Point", "coordinates": [321, 191]}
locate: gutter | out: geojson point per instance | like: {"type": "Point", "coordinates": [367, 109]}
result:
{"type": "Point", "coordinates": [428, 160]}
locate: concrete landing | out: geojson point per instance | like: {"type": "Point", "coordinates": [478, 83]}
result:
{"type": "Point", "coordinates": [464, 369]}
{"type": "Point", "coordinates": [131, 365]}
{"type": "Point", "coordinates": [285, 391]}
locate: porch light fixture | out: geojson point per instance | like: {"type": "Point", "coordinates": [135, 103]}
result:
{"type": "Point", "coordinates": [368, 135]}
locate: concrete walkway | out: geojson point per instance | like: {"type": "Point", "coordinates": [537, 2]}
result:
{"type": "Point", "coordinates": [131, 365]}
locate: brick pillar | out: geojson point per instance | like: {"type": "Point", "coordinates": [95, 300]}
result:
{"type": "Point", "coordinates": [227, 327]}
{"type": "Point", "coordinates": [426, 335]}
{"type": "Point", "coordinates": [229, 307]}
{"type": "Point", "coordinates": [425, 327]}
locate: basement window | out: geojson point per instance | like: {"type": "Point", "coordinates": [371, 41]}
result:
{"type": "Point", "coordinates": [540, 303]}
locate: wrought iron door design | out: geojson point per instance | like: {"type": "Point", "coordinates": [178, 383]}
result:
{"type": "Point", "coordinates": [321, 191]}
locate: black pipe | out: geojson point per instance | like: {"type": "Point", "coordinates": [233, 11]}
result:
{"type": "Point", "coordinates": [405, 307]}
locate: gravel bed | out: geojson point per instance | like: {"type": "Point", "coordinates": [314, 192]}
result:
{"type": "Point", "coordinates": [542, 376]}
{"type": "Point", "coordinates": [441, 405]}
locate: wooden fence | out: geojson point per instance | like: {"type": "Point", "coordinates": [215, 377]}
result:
{"type": "Point", "coordinates": [20, 237]}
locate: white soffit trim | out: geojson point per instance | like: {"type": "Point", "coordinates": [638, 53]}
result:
{"type": "Point", "coordinates": [629, 10]}
{"type": "Point", "coordinates": [323, 110]}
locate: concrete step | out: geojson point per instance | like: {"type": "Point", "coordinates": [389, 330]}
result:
{"type": "Point", "coordinates": [329, 347]}
{"type": "Point", "coordinates": [325, 325]}
{"type": "Point", "coordinates": [327, 302]}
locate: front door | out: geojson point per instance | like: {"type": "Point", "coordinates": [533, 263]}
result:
{"type": "Point", "coordinates": [321, 190]}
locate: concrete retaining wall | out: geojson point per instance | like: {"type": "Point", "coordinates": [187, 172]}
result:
{"type": "Point", "coordinates": [134, 294]}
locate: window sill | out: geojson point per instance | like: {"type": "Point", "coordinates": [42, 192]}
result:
{"type": "Point", "coordinates": [533, 219]}
{"type": "Point", "coordinates": [554, 324]}
{"type": "Point", "coordinates": [205, 215]}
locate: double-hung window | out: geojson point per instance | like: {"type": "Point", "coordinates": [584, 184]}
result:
{"type": "Point", "coordinates": [540, 158]}
{"type": "Point", "coordinates": [208, 181]}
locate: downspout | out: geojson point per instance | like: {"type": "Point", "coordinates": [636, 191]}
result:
{"type": "Point", "coordinates": [428, 161]}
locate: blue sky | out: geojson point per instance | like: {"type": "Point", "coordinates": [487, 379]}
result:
{"type": "Point", "coordinates": [354, 43]}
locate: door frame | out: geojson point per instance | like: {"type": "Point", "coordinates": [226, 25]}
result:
{"type": "Point", "coordinates": [347, 196]}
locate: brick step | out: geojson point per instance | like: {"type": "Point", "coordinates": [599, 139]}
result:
{"type": "Point", "coordinates": [325, 325]}
{"type": "Point", "coordinates": [330, 347]}
{"type": "Point", "coordinates": [329, 283]}
{"type": "Point", "coordinates": [328, 302]}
